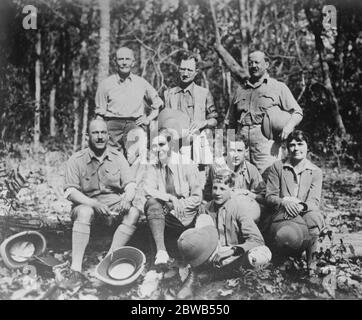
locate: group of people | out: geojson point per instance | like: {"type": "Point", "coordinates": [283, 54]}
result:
{"type": "Point", "coordinates": [241, 214]}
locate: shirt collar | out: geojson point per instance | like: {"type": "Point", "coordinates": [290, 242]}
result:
{"type": "Point", "coordinates": [130, 78]}
{"type": "Point", "coordinates": [242, 169]}
{"type": "Point", "coordinates": [189, 88]}
{"type": "Point", "coordinates": [91, 155]}
{"type": "Point", "coordinates": [306, 165]}
{"type": "Point", "coordinates": [265, 78]}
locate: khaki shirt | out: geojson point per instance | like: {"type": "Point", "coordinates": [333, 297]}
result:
{"type": "Point", "coordinates": [103, 180]}
{"type": "Point", "coordinates": [250, 102]}
{"type": "Point", "coordinates": [190, 98]}
{"type": "Point", "coordinates": [126, 99]}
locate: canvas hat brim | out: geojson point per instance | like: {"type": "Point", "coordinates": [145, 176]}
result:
{"type": "Point", "coordinates": [174, 120]}
{"type": "Point", "coordinates": [274, 121]}
{"type": "Point", "coordinates": [134, 255]}
{"type": "Point", "coordinates": [33, 237]}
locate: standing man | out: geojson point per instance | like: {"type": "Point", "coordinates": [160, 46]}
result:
{"type": "Point", "coordinates": [99, 183]}
{"type": "Point", "coordinates": [120, 99]}
{"type": "Point", "coordinates": [174, 194]}
{"type": "Point", "coordinates": [249, 104]}
{"type": "Point", "coordinates": [193, 100]}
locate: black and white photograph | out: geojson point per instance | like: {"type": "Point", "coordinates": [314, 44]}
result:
{"type": "Point", "coordinates": [180, 150]}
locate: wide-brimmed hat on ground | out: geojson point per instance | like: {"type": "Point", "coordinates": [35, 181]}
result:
{"type": "Point", "coordinates": [122, 267]}
{"type": "Point", "coordinates": [198, 244]}
{"type": "Point", "coordinates": [274, 121]}
{"type": "Point", "coordinates": [17, 250]}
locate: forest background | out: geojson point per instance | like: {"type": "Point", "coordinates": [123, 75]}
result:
{"type": "Point", "coordinates": [49, 75]}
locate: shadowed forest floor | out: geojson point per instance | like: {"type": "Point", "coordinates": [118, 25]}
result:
{"type": "Point", "coordinates": [338, 275]}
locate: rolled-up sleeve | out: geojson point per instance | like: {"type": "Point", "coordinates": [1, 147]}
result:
{"type": "Point", "coordinates": [152, 96]}
{"type": "Point", "coordinates": [287, 100]}
{"type": "Point", "coordinates": [72, 175]}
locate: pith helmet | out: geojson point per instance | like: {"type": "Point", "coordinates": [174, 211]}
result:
{"type": "Point", "coordinates": [17, 250]}
{"type": "Point", "coordinates": [173, 119]}
{"type": "Point", "coordinates": [122, 267]}
{"type": "Point", "coordinates": [274, 121]}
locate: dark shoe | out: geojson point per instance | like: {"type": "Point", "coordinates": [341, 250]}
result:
{"type": "Point", "coordinates": [187, 289]}
{"type": "Point", "coordinates": [71, 280]}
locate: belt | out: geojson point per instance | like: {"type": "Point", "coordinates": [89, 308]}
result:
{"type": "Point", "coordinates": [121, 119]}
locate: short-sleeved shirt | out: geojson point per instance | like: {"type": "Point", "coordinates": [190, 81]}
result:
{"type": "Point", "coordinates": [125, 99]}
{"type": "Point", "coordinates": [250, 102]}
{"type": "Point", "coordinates": [104, 180]}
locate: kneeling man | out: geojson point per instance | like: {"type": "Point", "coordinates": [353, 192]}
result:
{"type": "Point", "coordinates": [223, 236]}
{"type": "Point", "coordinates": [99, 183]}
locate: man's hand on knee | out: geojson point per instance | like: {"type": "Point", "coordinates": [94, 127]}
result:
{"type": "Point", "coordinates": [101, 208]}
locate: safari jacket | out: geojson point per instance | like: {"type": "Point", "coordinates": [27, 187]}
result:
{"type": "Point", "coordinates": [234, 227]}
{"type": "Point", "coordinates": [282, 181]}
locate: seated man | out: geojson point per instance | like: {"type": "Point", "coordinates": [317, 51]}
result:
{"type": "Point", "coordinates": [136, 153]}
{"type": "Point", "coordinates": [99, 183]}
{"type": "Point", "coordinates": [293, 191]}
{"type": "Point", "coordinates": [238, 239]}
{"type": "Point", "coordinates": [248, 181]}
{"type": "Point", "coordinates": [174, 194]}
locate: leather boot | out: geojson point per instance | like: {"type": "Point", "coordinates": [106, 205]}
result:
{"type": "Point", "coordinates": [187, 289]}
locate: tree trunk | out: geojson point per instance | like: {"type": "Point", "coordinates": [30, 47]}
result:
{"type": "Point", "coordinates": [104, 44]}
{"type": "Point", "coordinates": [243, 22]}
{"type": "Point", "coordinates": [76, 94]}
{"type": "Point", "coordinates": [315, 23]}
{"type": "Point", "coordinates": [37, 93]}
{"type": "Point", "coordinates": [85, 122]}
{"type": "Point", "coordinates": [237, 71]}
{"type": "Point", "coordinates": [52, 121]}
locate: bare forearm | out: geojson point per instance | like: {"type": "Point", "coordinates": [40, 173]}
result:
{"type": "Point", "coordinates": [153, 115]}
{"type": "Point", "coordinates": [211, 123]}
{"type": "Point", "coordinates": [78, 197]}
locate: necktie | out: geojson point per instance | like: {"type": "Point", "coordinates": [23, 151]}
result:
{"type": "Point", "coordinates": [170, 185]}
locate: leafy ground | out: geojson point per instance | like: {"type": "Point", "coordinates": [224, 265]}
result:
{"type": "Point", "coordinates": [338, 275]}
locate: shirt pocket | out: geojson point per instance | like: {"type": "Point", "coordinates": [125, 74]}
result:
{"type": "Point", "coordinates": [112, 178]}
{"type": "Point", "coordinates": [265, 101]}
{"type": "Point", "coordinates": [89, 181]}
{"type": "Point", "coordinates": [241, 104]}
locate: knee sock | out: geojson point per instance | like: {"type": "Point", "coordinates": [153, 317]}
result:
{"type": "Point", "coordinates": [80, 239]}
{"type": "Point", "coordinates": [157, 227]}
{"type": "Point", "coordinates": [121, 236]}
